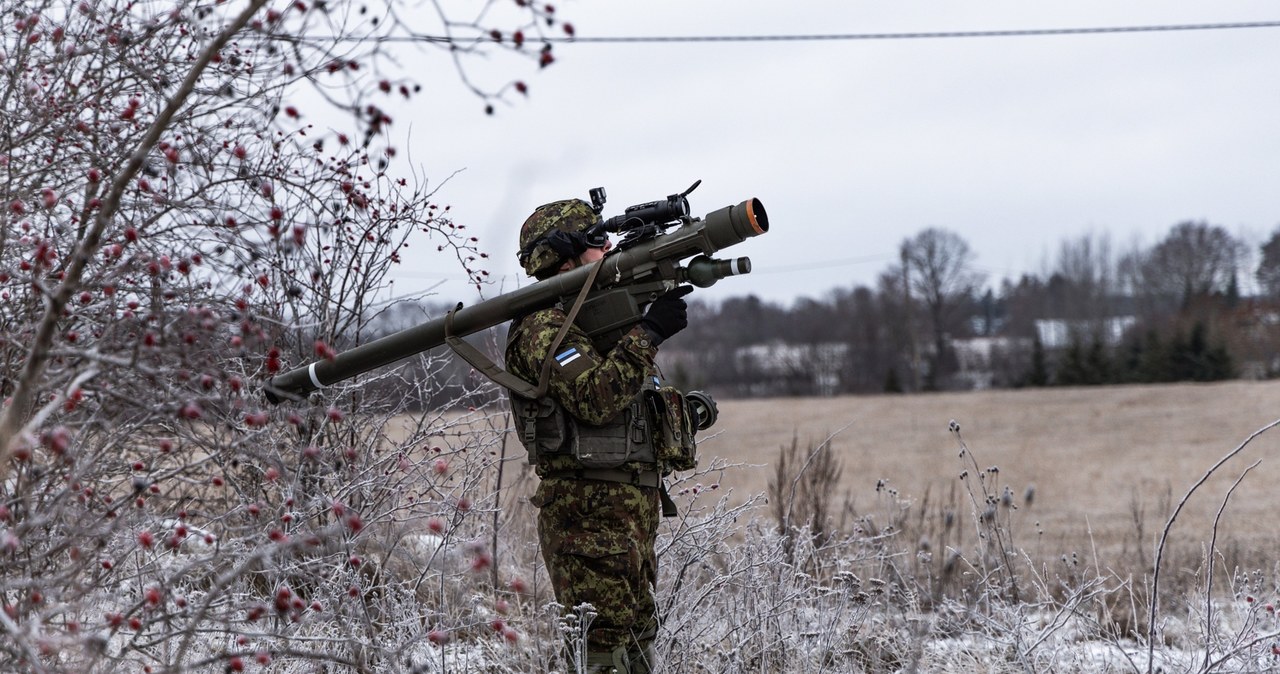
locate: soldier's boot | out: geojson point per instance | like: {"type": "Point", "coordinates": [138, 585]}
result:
{"type": "Point", "coordinates": [609, 662]}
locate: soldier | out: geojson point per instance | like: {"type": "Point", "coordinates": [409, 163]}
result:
{"type": "Point", "coordinates": [600, 440]}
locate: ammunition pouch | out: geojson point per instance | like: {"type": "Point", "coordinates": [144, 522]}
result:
{"type": "Point", "coordinates": [543, 427]}
{"type": "Point", "coordinates": [675, 423]}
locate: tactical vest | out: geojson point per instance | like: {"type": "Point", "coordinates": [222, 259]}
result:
{"type": "Point", "coordinates": [656, 429]}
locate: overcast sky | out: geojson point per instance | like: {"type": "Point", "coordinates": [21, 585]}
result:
{"type": "Point", "coordinates": [1014, 143]}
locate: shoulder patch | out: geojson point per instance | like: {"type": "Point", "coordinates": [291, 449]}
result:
{"type": "Point", "coordinates": [571, 362]}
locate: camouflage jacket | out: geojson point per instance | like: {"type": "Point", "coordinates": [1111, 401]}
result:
{"type": "Point", "coordinates": [594, 387]}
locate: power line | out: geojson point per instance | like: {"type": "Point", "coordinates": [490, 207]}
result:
{"type": "Point", "coordinates": [839, 37]}
{"type": "Point", "coordinates": [545, 40]}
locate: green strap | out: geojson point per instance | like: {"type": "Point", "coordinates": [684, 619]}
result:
{"type": "Point", "coordinates": [501, 377]}
{"type": "Point", "coordinates": [668, 506]}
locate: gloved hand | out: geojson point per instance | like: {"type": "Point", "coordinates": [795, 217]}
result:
{"type": "Point", "coordinates": [667, 315]}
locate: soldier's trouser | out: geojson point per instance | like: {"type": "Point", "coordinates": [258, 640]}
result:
{"type": "Point", "coordinates": [597, 540]}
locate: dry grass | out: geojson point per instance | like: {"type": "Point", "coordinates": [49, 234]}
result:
{"type": "Point", "coordinates": [1105, 463]}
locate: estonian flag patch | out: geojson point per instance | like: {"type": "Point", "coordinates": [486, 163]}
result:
{"type": "Point", "coordinates": [572, 362]}
{"type": "Point", "coordinates": [568, 357]}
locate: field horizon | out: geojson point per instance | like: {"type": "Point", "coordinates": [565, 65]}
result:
{"type": "Point", "coordinates": [1105, 464]}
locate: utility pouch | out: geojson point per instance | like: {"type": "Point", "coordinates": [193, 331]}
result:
{"type": "Point", "coordinates": [626, 438]}
{"type": "Point", "coordinates": [673, 437]}
{"type": "Point", "coordinates": [542, 425]}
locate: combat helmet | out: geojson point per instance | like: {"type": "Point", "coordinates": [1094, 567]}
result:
{"type": "Point", "coordinates": [555, 233]}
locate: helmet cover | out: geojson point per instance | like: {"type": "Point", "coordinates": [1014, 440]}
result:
{"type": "Point", "coordinates": [569, 216]}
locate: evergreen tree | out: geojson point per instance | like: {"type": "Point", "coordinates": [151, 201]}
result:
{"type": "Point", "coordinates": [1098, 368]}
{"type": "Point", "coordinates": [1128, 365]}
{"type": "Point", "coordinates": [891, 383]}
{"type": "Point", "coordinates": [1039, 373]}
{"type": "Point", "coordinates": [1219, 363]}
{"type": "Point", "coordinates": [1085, 366]}
{"type": "Point", "coordinates": [1072, 368]}
{"type": "Point", "coordinates": [1232, 295]}
{"type": "Point", "coordinates": [1178, 364]}
{"type": "Point", "coordinates": [1154, 366]}
{"type": "Point", "coordinates": [1195, 360]}
{"type": "Point", "coordinates": [1208, 362]}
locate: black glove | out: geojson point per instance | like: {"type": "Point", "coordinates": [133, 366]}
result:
{"type": "Point", "coordinates": [667, 315]}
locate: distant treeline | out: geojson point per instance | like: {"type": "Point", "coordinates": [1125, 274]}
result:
{"type": "Point", "coordinates": [746, 348]}
{"type": "Point", "coordinates": [1172, 312]}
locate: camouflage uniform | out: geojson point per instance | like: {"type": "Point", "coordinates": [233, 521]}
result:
{"type": "Point", "coordinates": [600, 439]}
{"type": "Point", "coordinates": [597, 537]}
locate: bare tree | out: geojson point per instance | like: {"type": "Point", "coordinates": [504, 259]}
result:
{"type": "Point", "coordinates": [937, 266]}
{"type": "Point", "coordinates": [174, 231]}
{"type": "Point", "coordinates": [1087, 268]}
{"type": "Point", "coordinates": [1195, 259]}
